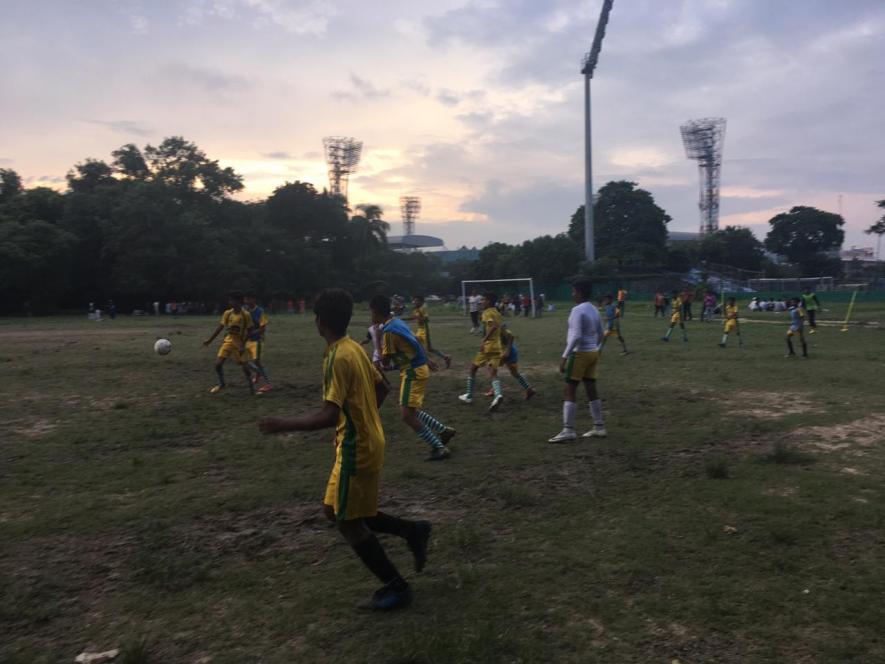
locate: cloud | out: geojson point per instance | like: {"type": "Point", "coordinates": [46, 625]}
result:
{"type": "Point", "coordinates": [205, 79]}
{"type": "Point", "coordinates": [362, 89]}
{"type": "Point", "coordinates": [276, 155]}
{"type": "Point", "coordinates": [299, 17]}
{"type": "Point", "coordinates": [127, 127]}
{"type": "Point", "coordinates": [447, 98]}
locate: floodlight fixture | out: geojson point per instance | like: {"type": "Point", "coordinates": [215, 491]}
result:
{"type": "Point", "coordinates": [410, 207]}
{"type": "Point", "coordinates": [342, 156]}
{"type": "Point", "coordinates": [588, 65]}
{"type": "Point", "coordinates": [703, 140]}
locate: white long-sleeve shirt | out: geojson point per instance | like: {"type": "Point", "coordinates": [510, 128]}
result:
{"type": "Point", "coordinates": [584, 329]}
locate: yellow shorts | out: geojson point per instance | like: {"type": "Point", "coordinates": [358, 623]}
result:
{"type": "Point", "coordinates": [253, 350]}
{"type": "Point", "coordinates": [675, 318]}
{"type": "Point", "coordinates": [730, 325]}
{"type": "Point", "coordinates": [791, 332]}
{"type": "Point", "coordinates": [231, 349]}
{"type": "Point", "coordinates": [582, 366]}
{"type": "Point", "coordinates": [483, 359]}
{"type": "Point", "coordinates": [421, 336]}
{"type": "Point", "coordinates": [413, 386]}
{"type": "Point", "coordinates": [353, 495]}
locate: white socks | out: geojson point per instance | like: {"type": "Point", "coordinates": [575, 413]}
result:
{"type": "Point", "coordinates": [569, 409]}
{"type": "Point", "coordinates": [596, 412]}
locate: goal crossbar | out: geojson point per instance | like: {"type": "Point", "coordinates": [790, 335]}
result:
{"type": "Point", "coordinates": [530, 280]}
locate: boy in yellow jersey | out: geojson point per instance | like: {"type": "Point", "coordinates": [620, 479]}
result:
{"type": "Point", "coordinates": [489, 354]}
{"type": "Point", "coordinates": [612, 324]}
{"type": "Point", "coordinates": [422, 331]}
{"type": "Point", "coordinates": [255, 342]}
{"type": "Point", "coordinates": [236, 322]}
{"type": "Point", "coordinates": [676, 317]}
{"type": "Point", "coordinates": [510, 359]}
{"type": "Point", "coordinates": [797, 328]}
{"type": "Point", "coordinates": [400, 348]}
{"type": "Point", "coordinates": [731, 323]}
{"type": "Point", "coordinates": [352, 393]}
{"type": "Point", "coordinates": [622, 300]}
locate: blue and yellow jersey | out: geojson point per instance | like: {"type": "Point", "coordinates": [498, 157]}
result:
{"type": "Point", "coordinates": [611, 312]}
{"type": "Point", "coordinates": [401, 346]}
{"type": "Point", "coordinates": [731, 312]}
{"type": "Point", "coordinates": [507, 337]}
{"type": "Point", "coordinates": [259, 320]}
{"type": "Point", "coordinates": [349, 381]}
{"type": "Point", "coordinates": [796, 316]}
{"type": "Point", "coordinates": [236, 325]}
{"type": "Point", "coordinates": [491, 318]}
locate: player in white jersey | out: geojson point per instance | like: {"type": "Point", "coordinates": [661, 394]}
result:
{"type": "Point", "coordinates": [580, 362]}
{"type": "Point", "coordinates": [474, 301]}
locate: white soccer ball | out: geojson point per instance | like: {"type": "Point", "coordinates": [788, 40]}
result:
{"type": "Point", "coordinates": [163, 347]}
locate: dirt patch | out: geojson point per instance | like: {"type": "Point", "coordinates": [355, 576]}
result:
{"type": "Point", "coordinates": [758, 404]}
{"type": "Point", "coordinates": [33, 430]}
{"type": "Point", "coordinates": [865, 432]}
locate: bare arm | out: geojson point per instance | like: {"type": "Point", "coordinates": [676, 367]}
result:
{"type": "Point", "coordinates": [324, 418]}
{"type": "Point", "coordinates": [214, 334]}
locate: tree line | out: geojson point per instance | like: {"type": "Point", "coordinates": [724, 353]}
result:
{"type": "Point", "coordinates": [160, 223]}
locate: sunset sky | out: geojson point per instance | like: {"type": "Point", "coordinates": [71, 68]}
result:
{"type": "Point", "coordinates": [476, 106]}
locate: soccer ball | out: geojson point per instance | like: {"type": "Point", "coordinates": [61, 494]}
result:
{"type": "Point", "coordinates": [163, 347]}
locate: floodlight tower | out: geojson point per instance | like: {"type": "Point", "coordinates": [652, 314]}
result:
{"type": "Point", "coordinates": [588, 65]}
{"type": "Point", "coordinates": [409, 207]}
{"type": "Point", "coordinates": [342, 157]}
{"type": "Point", "coordinates": [703, 141]}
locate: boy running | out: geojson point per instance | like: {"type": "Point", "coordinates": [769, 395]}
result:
{"type": "Point", "coordinates": [676, 318]}
{"type": "Point", "coordinates": [510, 359]}
{"type": "Point", "coordinates": [489, 354]}
{"type": "Point", "coordinates": [400, 348]}
{"type": "Point", "coordinates": [422, 333]}
{"type": "Point", "coordinates": [580, 362]}
{"type": "Point", "coordinates": [613, 324]}
{"type": "Point", "coordinates": [731, 323]}
{"type": "Point", "coordinates": [352, 393]}
{"type": "Point", "coordinates": [810, 304]}
{"type": "Point", "coordinates": [255, 342]}
{"type": "Point", "coordinates": [236, 322]}
{"type": "Point", "coordinates": [796, 327]}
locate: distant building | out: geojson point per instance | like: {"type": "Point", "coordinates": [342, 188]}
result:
{"type": "Point", "coordinates": [682, 236]}
{"type": "Point", "coordinates": [462, 254]}
{"type": "Point", "coordinates": [406, 243]}
{"type": "Point", "coordinates": [858, 254]}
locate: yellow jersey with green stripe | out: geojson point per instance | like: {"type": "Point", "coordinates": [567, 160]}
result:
{"type": "Point", "coordinates": [349, 380]}
{"type": "Point", "coordinates": [491, 318]}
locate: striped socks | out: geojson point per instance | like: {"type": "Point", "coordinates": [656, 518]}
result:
{"type": "Point", "coordinates": [470, 381]}
{"type": "Point", "coordinates": [523, 382]}
{"type": "Point", "coordinates": [431, 422]}
{"type": "Point", "coordinates": [496, 386]}
{"type": "Point", "coordinates": [429, 437]}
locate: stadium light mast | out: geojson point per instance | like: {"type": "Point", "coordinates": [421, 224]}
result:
{"type": "Point", "coordinates": [409, 207]}
{"type": "Point", "coordinates": [703, 140]}
{"type": "Point", "coordinates": [588, 65]}
{"type": "Point", "coordinates": [342, 157]}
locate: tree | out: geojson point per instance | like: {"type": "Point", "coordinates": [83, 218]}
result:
{"type": "Point", "coordinates": [550, 259]}
{"type": "Point", "coordinates": [804, 235]}
{"type": "Point", "coordinates": [90, 175]}
{"type": "Point", "coordinates": [181, 164]}
{"type": "Point", "coordinates": [630, 229]}
{"type": "Point", "coordinates": [733, 246]}
{"type": "Point", "coordinates": [878, 229]}
{"type": "Point", "coordinates": [35, 261]}
{"type": "Point", "coordinates": [129, 162]}
{"type": "Point", "coordinates": [10, 185]}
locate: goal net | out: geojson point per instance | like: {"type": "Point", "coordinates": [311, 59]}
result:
{"type": "Point", "coordinates": [469, 284]}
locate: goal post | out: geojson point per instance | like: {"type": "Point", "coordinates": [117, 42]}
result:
{"type": "Point", "coordinates": [529, 280]}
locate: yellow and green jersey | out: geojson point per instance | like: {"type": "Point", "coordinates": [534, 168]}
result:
{"type": "Point", "coordinates": [236, 325]}
{"type": "Point", "coordinates": [491, 319]}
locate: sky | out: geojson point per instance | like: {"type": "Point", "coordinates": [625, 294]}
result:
{"type": "Point", "coordinates": [476, 106]}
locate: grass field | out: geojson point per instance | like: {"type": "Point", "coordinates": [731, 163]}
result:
{"type": "Point", "coordinates": [736, 512]}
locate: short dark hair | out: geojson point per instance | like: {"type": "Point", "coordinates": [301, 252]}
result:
{"type": "Point", "coordinates": [584, 287]}
{"type": "Point", "coordinates": [334, 307]}
{"type": "Point", "coordinates": [380, 304]}
{"type": "Point", "coordinates": [490, 296]}
{"type": "Point", "coordinates": [235, 295]}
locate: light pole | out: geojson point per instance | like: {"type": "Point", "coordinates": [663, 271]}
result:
{"type": "Point", "coordinates": [588, 65]}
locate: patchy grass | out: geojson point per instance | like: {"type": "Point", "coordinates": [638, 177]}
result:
{"type": "Point", "coordinates": [139, 512]}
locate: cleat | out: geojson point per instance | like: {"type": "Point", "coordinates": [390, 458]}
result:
{"type": "Point", "coordinates": [465, 398]}
{"type": "Point", "coordinates": [685, 339]}
{"type": "Point", "coordinates": [665, 338]}
{"type": "Point", "coordinates": [564, 436]}
{"type": "Point", "coordinates": [215, 389]}
{"type": "Point", "coordinates": [529, 393]}
{"type": "Point", "coordinates": [490, 393]}
{"type": "Point", "coordinates": [447, 434]}
{"type": "Point", "coordinates": [789, 355]}
{"type": "Point", "coordinates": [439, 454]}
{"type": "Point", "coordinates": [448, 360]}
{"type": "Point", "coordinates": [722, 345]}
{"type": "Point", "coordinates": [625, 352]}
{"type": "Point", "coordinates": [254, 379]}
{"type": "Point", "coordinates": [496, 402]}
{"type": "Point", "coordinates": [418, 543]}
{"type": "Point", "coordinates": [596, 432]}
{"type": "Point", "coordinates": [812, 332]}
{"type": "Point", "coordinates": [394, 595]}
{"type": "Point", "coordinates": [264, 389]}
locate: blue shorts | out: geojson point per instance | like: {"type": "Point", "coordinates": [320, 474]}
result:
{"type": "Point", "coordinates": [512, 356]}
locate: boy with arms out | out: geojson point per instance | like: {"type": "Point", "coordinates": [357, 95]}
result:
{"type": "Point", "coordinates": [352, 393]}
{"type": "Point", "coordinates": [400, 347]}
{"type": "Point", "coordinates": [731, 323]}
{"type": "Point", "coordinates": [676, 318]}
{"type": "Point", "coordinates": [422, 333]}
{"type": "Point", "coordinates": [255, 342]}
{"type": "Point", "coordinates": [489, 354]}
{"type": "Point", "coordinates": [613, 324]}
{"type": "Point", "coordinates": [236, 321]}
{"type": "Point", "coordinates": [579, 363]}
{"type": "Point", "coordinates": [796, 328]}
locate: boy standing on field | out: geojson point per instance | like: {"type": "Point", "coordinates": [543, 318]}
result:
{"type": "Point", "coordinates": [731, 323]}
{"type": "Point", "coordinates": [489, 354]}
{"type": "Point", "coordinates": [236, 321]}
{"type": "Point", "coordinates": [580, 362]}
{"type": "Point", "coordinates": [676, 318]}
{"type": "Point", "coordinates": [255, 342]}
{"type": "Point", "coordinates": [796, 328]}
{"type": "Point", "coordinates": [352, 393]}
